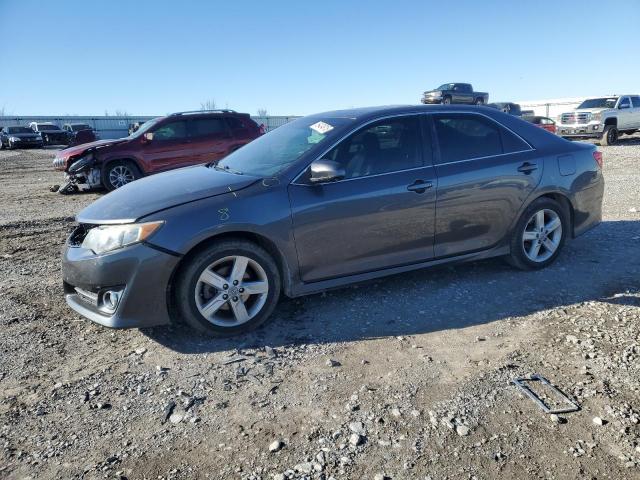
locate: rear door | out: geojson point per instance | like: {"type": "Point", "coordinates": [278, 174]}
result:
{"type": "Point", "coordinates": [380, 215]}
{"type": "Point", "coordinates": [635, 100]}
{"type": "Point", "coordinates": [485, 172]}
{"type": "Point", "coordinates": [169, 147]}
{"type": "Point", "coordinates": [210, 139]}
{"type": "Point", "coordinates": [462, 93]}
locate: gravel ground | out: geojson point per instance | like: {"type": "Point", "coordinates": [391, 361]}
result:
{"type": "Point", "coordinates": [405, 378]}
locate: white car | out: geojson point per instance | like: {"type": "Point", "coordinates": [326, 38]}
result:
{"type": "Point", "coordinates": [603, 118]}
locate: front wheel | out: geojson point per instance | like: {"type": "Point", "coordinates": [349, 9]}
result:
{"type": "Point", "coordinates": [118, 174]}
{"type": "Point", "coordinates": [539, 235]}
{"type": "Point", "coordinates": [231, 287]}
{"type": "Point", "coordinates": [446, 101]}
{"type": "Point", "coordinates": [609, 136]}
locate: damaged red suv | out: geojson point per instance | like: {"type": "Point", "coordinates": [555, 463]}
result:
{"type": "Point", "coordinates": [164, 143]}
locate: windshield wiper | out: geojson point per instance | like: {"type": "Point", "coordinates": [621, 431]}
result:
{"type": "Point", "coordinates": [225, 169]}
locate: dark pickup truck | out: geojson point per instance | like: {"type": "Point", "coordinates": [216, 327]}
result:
{"type": "Point", "coordinates": [455, 93]}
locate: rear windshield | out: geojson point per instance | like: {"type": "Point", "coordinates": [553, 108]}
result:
{"type": "Point", "coordinates": [19, 130]}
{"type": "Point", "coordinates": [272, 153]}
{"type": "Point", "coordinates": [46, 126]}
{"type": "Point", "coordinates": [605, 102]}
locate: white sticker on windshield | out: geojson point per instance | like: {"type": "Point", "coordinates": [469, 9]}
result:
{"type": "Point", "coordinates": [321, 127]}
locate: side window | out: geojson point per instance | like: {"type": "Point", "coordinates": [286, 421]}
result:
{"type": "Point", "coordinates": [203, 127]}
{"type": "Point", "coordinates": [513, 143]}
{"type": "Point", "coordinates": [386, 146]}
{"type": "Point", "coordinates": [636, 101]}
{"type": "Point", "coordinates": [462, 137]}
{"type": "Point", "coordinates": [171, 131]}
{"type": "Point", "coordinates": [235, 123]}
{"type": "Point", "coordinates": [624, 102]}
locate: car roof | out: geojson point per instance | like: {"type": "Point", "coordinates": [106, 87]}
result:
{"type": "Point", "coordinates": [364, 112]}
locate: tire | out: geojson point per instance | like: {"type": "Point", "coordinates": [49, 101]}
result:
{"type": "Point", "coordinates": [192, 296]}
{"type": "Point", "coordinates": [609, 136]}
{"type": "Point", "coordinates": [521, 249]}
{"type": "Point", "coordinates": [479, 102]}
{"type": "Point", "coordinates": [1, 145]}
{"type": "Point", "coordinates": [446, 101]}
{"type": "Point", "coordinates": [119, 173]}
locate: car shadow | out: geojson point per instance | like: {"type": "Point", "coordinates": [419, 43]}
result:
{"type": "Point", "coordinates": [601, 265]}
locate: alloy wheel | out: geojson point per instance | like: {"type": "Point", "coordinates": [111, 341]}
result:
{"type": "Point", "coordinates": [120, 175]}
{"type": "Point", "coordinates": [612, 136]}
{"type": "Point", "coordinates": [542, 235]}
{"type": "Point", "coordinates": [231, 291]}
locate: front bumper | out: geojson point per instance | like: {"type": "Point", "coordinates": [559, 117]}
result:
{"type": "Point", "coordinates": [431, 100]}
{"type": "Point", "coordinates": [140, 272]}
{"type": "Point", "coordinates": [580, 131]}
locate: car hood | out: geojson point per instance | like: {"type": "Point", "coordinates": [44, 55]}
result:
{"type": "Point", "coordinates": [432, 91]}
{"type": "Point", "coordinates": [159, 192]}
{"type": "Point", "coordinates": [23, 135]}
{"type": "Point", "coordinates": [80, 149]}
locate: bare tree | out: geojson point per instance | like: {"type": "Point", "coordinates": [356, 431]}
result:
{"type": "Point", "coordinates": [122, 113]}
{"type": "Point", "coordinates": [262, 112]}
{"type": "Point", "coordinates": [208, 104]}
{"type": "Point", "coordinates": [3, 111]}
{"type": "Point", "coordinates": [106, 113]}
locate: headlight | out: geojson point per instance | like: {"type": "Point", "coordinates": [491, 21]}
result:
{"type": "Point", "coordinates": [81, 163]}
{"type": "Point", "coordinates": [596, 116]}
{"type": "Point", "coordinates": [111, 237]}
{"type": "Point", "coordinates": [14, 139]}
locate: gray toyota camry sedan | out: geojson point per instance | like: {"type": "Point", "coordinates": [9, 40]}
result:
{"type": "Point", "coordinates": [324, 201]}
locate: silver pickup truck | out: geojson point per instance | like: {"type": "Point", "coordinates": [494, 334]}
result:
{"type": "Point", "coordinates": [603, 118]}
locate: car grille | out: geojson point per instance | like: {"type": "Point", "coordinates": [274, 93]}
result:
{"type": "Point", "coordinates": [58, 162]}
{"type": "Point", "coordinates": [569, 118]}
{"type": "Point", "coordinates": [78, 235]}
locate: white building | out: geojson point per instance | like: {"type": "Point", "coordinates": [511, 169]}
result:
{"type": "Point", "coordinates": [553, 107]}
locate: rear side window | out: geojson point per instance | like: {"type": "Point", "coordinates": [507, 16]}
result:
{"type": "Point", "coordinates": [465, 136]}
{"type": "Point", "coordinates": [636, 101]}
{"type": "Point", "coordinates": [235, 123]}
{"type": "Point", "coordinates": [208, 126]}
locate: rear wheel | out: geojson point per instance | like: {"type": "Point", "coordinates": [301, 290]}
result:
{"type": "Point", "coordinates": [479, 102]}
{"type": "Point", "coordinates": [539, 235]}
{"type": "Point", "coordinates": [609, 136]}
{"type": "Point", "coordinates": [118, 174]}
{"type": "Point", "coordinates": [229, 288]}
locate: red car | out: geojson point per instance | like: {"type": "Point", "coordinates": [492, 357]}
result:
{"type": "Point", "coordinates": [164, 143]}
{"type": "Point", "coordinates": [543, 122]}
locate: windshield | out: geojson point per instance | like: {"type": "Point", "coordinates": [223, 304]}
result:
{"type": "Point", "coordinates": [270, 154]}
{"type": "Point", "coordinates": [605, 102]}
{"type": "Point", "coordinates": [47, 126]}
{"type": "Point", "coordinates": [76, 127]}
{"type": "Point", "coordinates": [446, 86]}
{"type": "Point", "coordinates": [145, 128]}
{"type": "Point", "coordinates": [19, 130]}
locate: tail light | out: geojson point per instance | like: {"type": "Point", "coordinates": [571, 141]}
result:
{"type": "Point", "coordinates": [263, 129]}
{"type": "Point", "coordinates": [597, 156]}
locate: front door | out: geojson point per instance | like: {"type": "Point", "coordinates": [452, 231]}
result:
{"type": "Point", "coordinates": [485, 173]}
{"type": "Point", "coordinates": [169, 146]}
{"type": "Point", "coordinates": [380, 215]}
{"type": "Point", "coordinates": [625, 114]}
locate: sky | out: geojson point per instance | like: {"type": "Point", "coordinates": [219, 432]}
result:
{"type": "Point", "coordinates": [151, 57]}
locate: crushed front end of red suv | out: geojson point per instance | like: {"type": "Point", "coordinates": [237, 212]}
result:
{"type": "Point", "coordinates": [164, 143]}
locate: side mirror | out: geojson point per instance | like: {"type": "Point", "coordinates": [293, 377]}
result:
{"type": "Point", "coordinates": [326, 171]}
{"type": "Point", "coordinates": [148, 136]}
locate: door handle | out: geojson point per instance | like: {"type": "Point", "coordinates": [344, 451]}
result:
{"type": "Point", "coordinates": [527, 168]}
{"type": "Point", "coordinates": [419, 186]}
